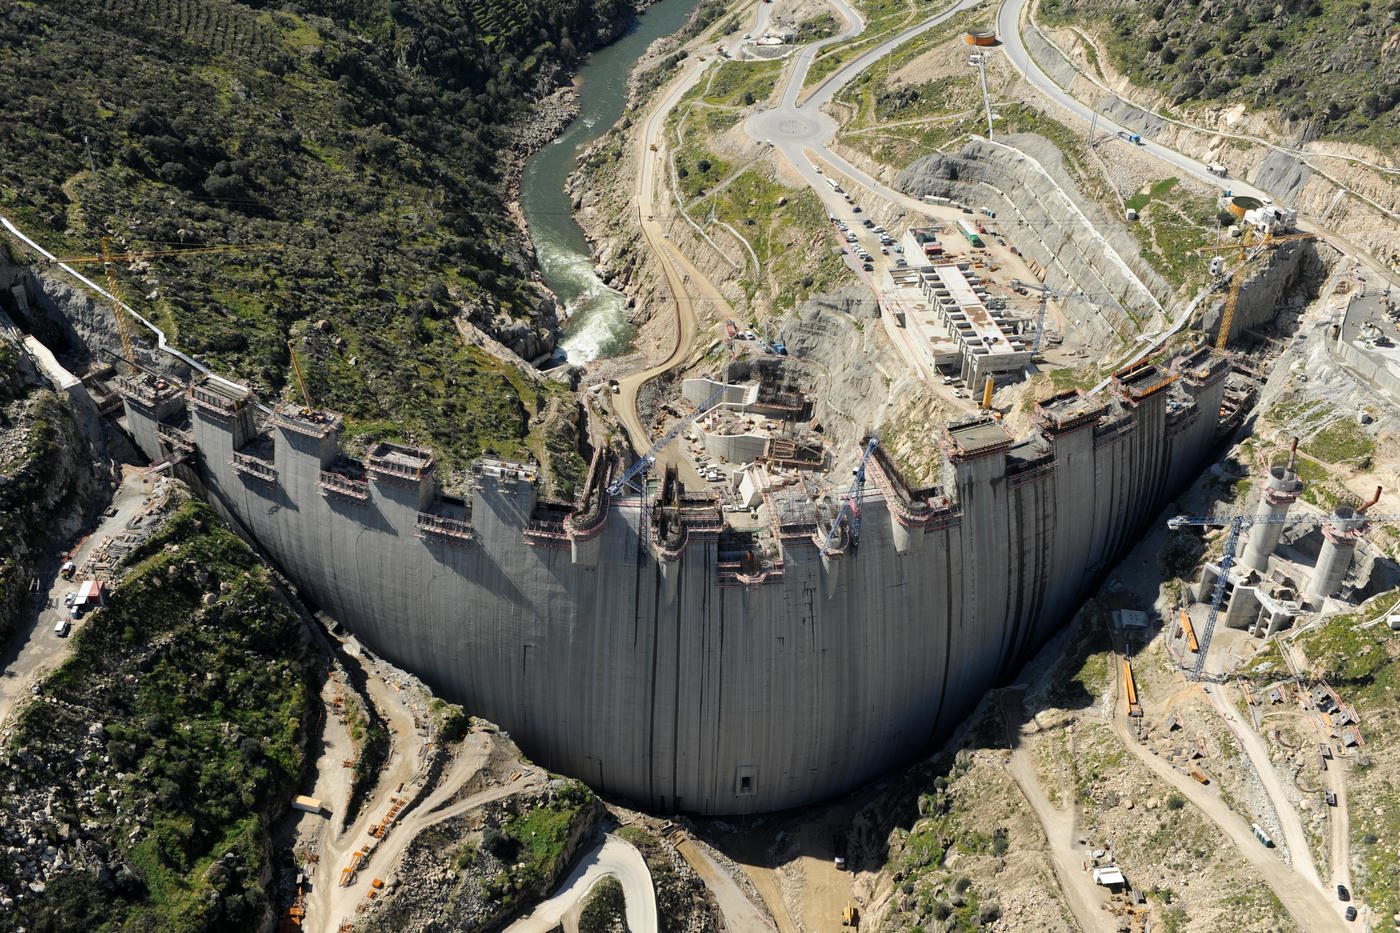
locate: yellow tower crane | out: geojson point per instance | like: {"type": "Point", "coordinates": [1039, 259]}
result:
{"type": "Point", "coordinates": [1237, 280]}
{"type": "Point", "coordinates": [306, 396]}
{"type": "Point", "coordinates": [109, 262]}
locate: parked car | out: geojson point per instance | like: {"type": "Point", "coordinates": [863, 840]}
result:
{"type": "Point", "coordinates": [901, 262]}
{"type": "Point", "coordinates": [855, 209]}
{"type": "Point", "coordinates": [867, 267]}
{"type": "Point", "coordinates": [1350, 913]}
{"type": "Point", "coordinates": [1342, 893]}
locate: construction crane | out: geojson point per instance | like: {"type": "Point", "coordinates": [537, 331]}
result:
{"type": "Point", "coordinates": [109, 268]}
{"type": "Point", "coordinates": [1046, 293]}
{"type": "Point", "coordinates": [850, 503]}
{"type": "Point", "coordinates": [648, 459]}
{"type": "Point", "coordinates": [1237, 280]}
{"type": "Point", "coordinates": [1237, 524]}
{"type": "Point", "coordinates": [296, 367]}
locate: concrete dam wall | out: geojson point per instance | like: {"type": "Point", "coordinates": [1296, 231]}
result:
{"type": "Point", "coordinates": [700, 659]}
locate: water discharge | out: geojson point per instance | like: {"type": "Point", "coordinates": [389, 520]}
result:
{"type": "Point", "coordinates": [597, 321]}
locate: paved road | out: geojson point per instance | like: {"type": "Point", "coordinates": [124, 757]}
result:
{"type": "Point", "coordinates": [1009, 33]}
{"type": "Point", "coordinates": [612, 856]}
{"type": "Point", "coordinates": [1009, 16]}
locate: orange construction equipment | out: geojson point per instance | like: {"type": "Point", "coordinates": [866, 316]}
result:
{"type": "Point", "coordinates": [1190, 632]}
{"type": "Point", "coordinates": [1130, 686]}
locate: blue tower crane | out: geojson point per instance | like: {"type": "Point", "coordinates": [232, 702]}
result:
{"type": "Point", "coordinates": [850, 504]}
{"type": "Point", "coordinates": [645, 462]}
{"type": "Point", "coordinates": [1237, 524]}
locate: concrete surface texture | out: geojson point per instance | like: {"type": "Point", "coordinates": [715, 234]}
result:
{"type": "Point", "coordinates": [703, 668]}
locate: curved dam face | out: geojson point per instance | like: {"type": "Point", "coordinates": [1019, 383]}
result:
{"type": "Point", "coordinates": [701, 666]}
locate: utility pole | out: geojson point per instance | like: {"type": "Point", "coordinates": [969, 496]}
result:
{"type": "Point", "coordinates": [91, 167]}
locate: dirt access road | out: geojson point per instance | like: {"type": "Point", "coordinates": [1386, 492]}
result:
{"type": "Point", "coordinates": [34, 648]}
{"type": "Point", "coordinates": [740, 915]}
{"type": "Point", "coordinates": [1085, 899]}
{"type": "Point", "coordinates": [1293, 835]}
{"type": "Point", "coordinates": [1310, 909]}
{"type": "Point", "coordinates": [689, 287]}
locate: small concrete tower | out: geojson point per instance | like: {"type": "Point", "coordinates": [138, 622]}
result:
{"type": "Point", "coordinates": [1281, 490]}
{"type": "Point", "coordinates": [1340, 534]}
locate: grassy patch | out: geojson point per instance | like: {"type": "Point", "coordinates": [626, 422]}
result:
{"type": "Point", "coordinates": [1343, 441]}
{"type": "Point", "coordinates": [1140, 200]}
{"type": "Point", "coordinates": [741, 84]}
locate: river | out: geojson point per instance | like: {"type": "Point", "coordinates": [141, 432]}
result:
{"type": "Point", "coordinates": [597, 322]}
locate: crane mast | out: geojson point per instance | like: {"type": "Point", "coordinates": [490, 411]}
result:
{"type": "Point", "coordinates": [850, 503]}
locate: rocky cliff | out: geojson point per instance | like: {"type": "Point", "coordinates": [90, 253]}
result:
{"type": "Point", "coordinates": [49, 477]}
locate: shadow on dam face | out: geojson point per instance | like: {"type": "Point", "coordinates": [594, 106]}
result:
{"type": "Point", "coordinates": [660, 666]}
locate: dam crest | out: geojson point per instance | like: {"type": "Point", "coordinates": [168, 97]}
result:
{"type": "Point", "coordinates": [678, 652]}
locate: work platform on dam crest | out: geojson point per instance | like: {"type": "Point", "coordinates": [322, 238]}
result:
{"type": "Point", "coordinates": [715, 651]}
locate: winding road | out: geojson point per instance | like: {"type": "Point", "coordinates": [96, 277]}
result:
{"type": "Point", "coordinates": [613, 857]}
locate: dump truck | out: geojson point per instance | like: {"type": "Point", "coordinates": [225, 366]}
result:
{"type": "Point", "coordinates": [1133, 138]}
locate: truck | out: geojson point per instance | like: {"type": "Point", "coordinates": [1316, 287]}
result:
{"type": "Point", "coordinates": [1215, 168]}
{"type": "Point", "coordinates": [970, 232]}
{"type": "Point", "coordinates": [1133, 138]}
{"type": "Point", "coordinates": [835, 186]}
{"type": "Point", "coordinates": [1261, 835]}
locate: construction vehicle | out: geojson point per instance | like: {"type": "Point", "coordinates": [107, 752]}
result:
{"type": "Point", "coordinates": [1236, 279]}
{"type": "Point", "coordinates": [771, 345]}
{"type": "Point", "coordinates": [850, 917]}
{"type": "Point", "coordinates": [1237, 524]}
{"type": "Point", "coordinates": [1130, 689]}
{"type": "Point", "coordinates": [850, 503]}
{"type": "Point", "coordinates": [1189, 631]}
{"type": "Point", "coordinates": [1046, 293]}
{"type": "Point", "coordinates": [653, 147]}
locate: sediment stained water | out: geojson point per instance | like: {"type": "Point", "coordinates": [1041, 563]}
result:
{"type": "Point", "coordinates": [597, 322]}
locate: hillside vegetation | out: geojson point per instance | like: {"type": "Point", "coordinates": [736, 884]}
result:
{"type": "Point", "coordinates": [45, 480]}
{"type": "Point", "coordinates": [1330, 68]}
{"type": "Point", "coordinates": [369, 139]}
{"type": "Point", "coordinates": [150, 767]}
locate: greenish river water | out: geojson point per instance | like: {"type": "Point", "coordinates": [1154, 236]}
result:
{"type": "Point", "coordinates": [597, 324]}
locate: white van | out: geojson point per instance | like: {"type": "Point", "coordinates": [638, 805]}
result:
{"type": "Point", "coordinates": [61, 627]}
